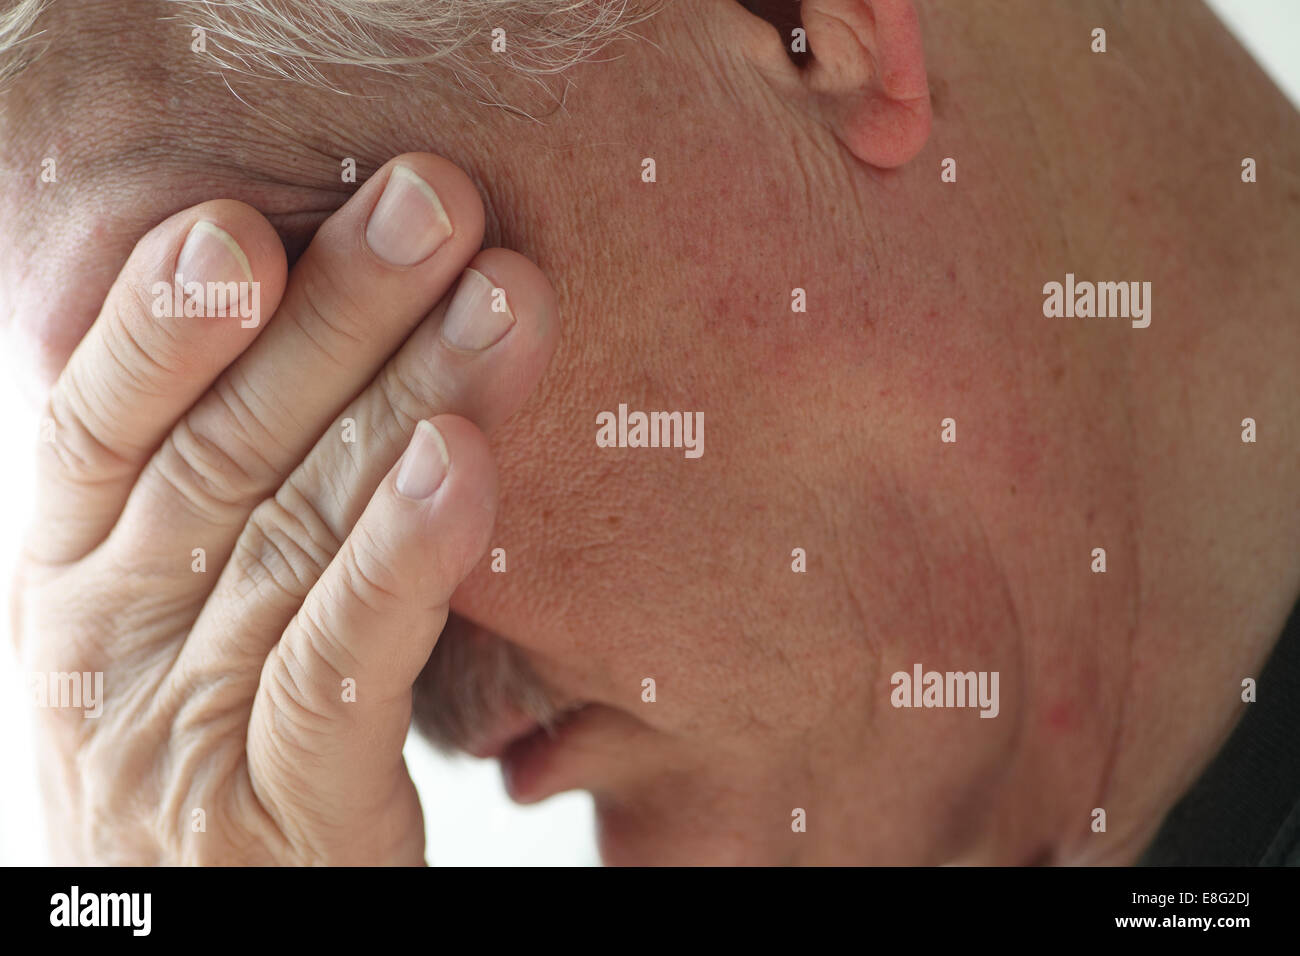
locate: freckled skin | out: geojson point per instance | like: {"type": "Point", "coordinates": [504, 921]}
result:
{"type": "Point", "coordinates": [822, 429]}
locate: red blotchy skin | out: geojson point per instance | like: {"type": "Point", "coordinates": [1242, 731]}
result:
{"type": "Point", "coordinates": [822, 429]}
{"type": "Point", "coordinates": [1060, 716]}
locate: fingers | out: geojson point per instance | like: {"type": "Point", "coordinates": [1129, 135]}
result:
{"type": "Point", "coordinates": [372, 272]}
{"type": "Point", "coordinates": [478, 356]}
{"type": "Point", "coordinates": [334, 702]}
{"type": "Point", "coordinates": [154, 349]}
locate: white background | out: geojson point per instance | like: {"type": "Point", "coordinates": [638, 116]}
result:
{"type": "Point", "coordinates": [468, 817]}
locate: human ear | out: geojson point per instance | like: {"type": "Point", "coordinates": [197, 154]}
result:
{"type": "Point", "coordinates": [864, 72]}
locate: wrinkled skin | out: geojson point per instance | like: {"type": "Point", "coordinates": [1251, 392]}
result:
{"type": "Point", "coordinates": [822, 429]}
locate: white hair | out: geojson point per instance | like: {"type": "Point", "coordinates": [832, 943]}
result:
{"type": "Point", "coordinates": [300, 38]}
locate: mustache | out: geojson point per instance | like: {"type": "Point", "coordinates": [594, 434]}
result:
{"type": "Point", "coordinates": [470, 681]}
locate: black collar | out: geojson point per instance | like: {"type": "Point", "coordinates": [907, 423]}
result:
{"type": "Point", "coordinates": [1245, 809]}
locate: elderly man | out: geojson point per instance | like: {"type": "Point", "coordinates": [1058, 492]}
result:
{"type": "Point", "coordinates": [893, 405]}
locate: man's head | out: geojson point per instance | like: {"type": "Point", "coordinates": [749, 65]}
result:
{"type": "Point", "coordinates": [729, 212]}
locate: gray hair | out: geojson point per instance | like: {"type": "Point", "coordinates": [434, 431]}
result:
{"type": "Point", "coordinates": [16, 46]}
{"type": "Point", "coordinates": [299, 38]}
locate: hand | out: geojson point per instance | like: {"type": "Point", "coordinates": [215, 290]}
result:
{"type": "Point", "coordinates": [259, 593]}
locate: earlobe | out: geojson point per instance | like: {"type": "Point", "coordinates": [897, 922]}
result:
{"type": "Point", "coordinates": [868, 71]}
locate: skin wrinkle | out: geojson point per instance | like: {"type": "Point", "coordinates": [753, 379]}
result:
{"type": "Point", "coordinates": [850, 590]}
{"type": "Point", "coordinates": [586, 605]}
{"type": "Point", "coordinates": [1133, 526]}
{"type": "Point", "coordinates": [874, 671]}
{"type": "Point", "coordinates": [1026, 706]}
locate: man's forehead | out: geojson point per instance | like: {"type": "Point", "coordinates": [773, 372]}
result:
{"type": "Point", "coordinates": [123, 149]}
{"type": "Point", "coordinates": [89, 164]}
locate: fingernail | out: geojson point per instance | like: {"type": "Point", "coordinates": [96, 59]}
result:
{"type": "Point", "coordinates": [478, 315]}
{"type": "Point", "coordinates": [424, 464]}
{"type": "Point", "coordinates": [408, 222]}
{"type": "Point", "coordinates": [210, 254]}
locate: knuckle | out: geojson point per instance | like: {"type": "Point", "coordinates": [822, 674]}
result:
{"type": "Point", "coordinates": [77, 453]}
{"type": "Point", "coordinates": [329, 316]}
{"type": "Point", "coordinates": [285, 544]}
{"type": "Point", "coordinates": [145, 348]}
{"type": "Point", "coordinates": [216, 475]}
{"type": "Point", "coordinates": [409, 396]}
{"type": "Point", "coordinates": [301, 682]}
{"type": "Point", "coordinates": [369, 573]}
